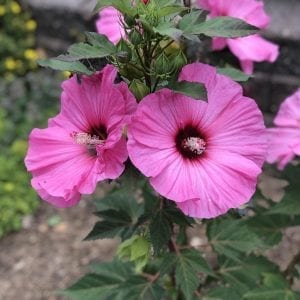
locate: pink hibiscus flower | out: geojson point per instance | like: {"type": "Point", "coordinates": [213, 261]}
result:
{"type": "Point", "coordinates": [284, 140]}
{"type": "Point", "coordinates": [204, 155]}
{"type": "Point", "coordinates": [110, 24]}
{"type": "Point", "coordinates": [83, 144]}
{"type": "Point", "coordinates": [247, 49]}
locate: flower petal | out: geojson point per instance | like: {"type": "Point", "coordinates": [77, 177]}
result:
{"type": "Point", "coordinates": [93, 101]}
{"type": "Point", "coordinates": [239, 129]}
{"type": "Point", "coordinates": [283, 145]}
{"type": "Point", "coordinates": [160, 115]}
{"type": "Point", "coordinates": [289, 112]}
{"type": "Point", "coordinates": [227, 183]}
{"type": "Point", "coordinates": [253, 48]}
{"type": "Point", "coordinates": [61, 168]}
{"type": "Point", "coordinates": [110, 24]}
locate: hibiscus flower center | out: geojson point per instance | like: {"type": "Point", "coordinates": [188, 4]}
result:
{"type": "Point", "coordinates": [190, 143]}
{"type": "Point", "coordinates": [96, 136]}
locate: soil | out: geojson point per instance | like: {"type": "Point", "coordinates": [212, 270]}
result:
{"type": "Point", "coordinates": [42, 259]}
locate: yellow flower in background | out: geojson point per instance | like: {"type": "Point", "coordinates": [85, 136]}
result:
{"type": "Point", "coordinates": [10, 64]}
{"type": "Point", "coordinates": [31, 25]}
{"type": "Point", "coordinates": [15, 8]}
{"type": "Point", "coordinates": [2, 10]}
{"type": "Point", "coordinates": [31, 54]}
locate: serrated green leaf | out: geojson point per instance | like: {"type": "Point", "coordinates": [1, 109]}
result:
{"type": "Point", "coordinates": [168, 262]}
{"type": "Point", "coordinates": [91, 287]}
{"type": "Point", "coordinates": [227, 27]}
{"type": "Point", "coordinates": [269, 228]}
{"type": "Point", "coordinates": [168, 10]}
{"type": "Point", "coordinates": [102, 284]}
{"type": "Point", "coordinates": [114, 223]}
{"type": "Point", "coordinates": [120, 200]}
{"type": "Point", "coordinates": [168, 29]}
{"type": "Point", "coordinates": [188, 21]}
{"type": "Point", "coordinates": [275, 287]}
{"type": "Point", "coordinates": [231, 237]}
{"type": "Point", "coordinates": [81, 51]}
{"type": "Point", "coordinates": [188, 265]}
{"type": "Point", "coordinates": [222, 293]}
{"type": "Point", "coordinates": [72, 66]}
{"type": "Point", "coordinates": [289, 205]}
{"type": "Point", "coordinates": [245, 275]}
{"type": "Point", "coordinates": [160, 231]}
{"type": "Point", "coordinates": [115, 269]}
{"type": "Point", "coordinates": [234, 74]}
{"type": "Point", "coordinates": [190, 89]}
{"type": "Point", "coordinates": [139, 288]}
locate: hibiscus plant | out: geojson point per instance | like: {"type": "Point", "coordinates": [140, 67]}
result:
{"type": "Point", "coordinates": [180, 145]}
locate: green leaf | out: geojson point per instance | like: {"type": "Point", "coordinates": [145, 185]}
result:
{"type": "Point", "coordinates": [167, 28]}
{"type": "Point", "coordinates": [85, 51]}
{"type": "Point", "coordinates": [124, 6]}
{"type": "Point", "coordinates": [275, 287]}
{"type": "Point", "coordinates": [188, 265]}
{"type": "Point", "coordinates": [120, 200]}
{"type": "Point", "coordinates": [289, 205]}
{"type": "Point", "coordinates": [102, 284]}
{"type": "Point", "coordinates": [222, 293]}
{"type": "Point", "coordinates": [234, 74]}
{"type": "Point", "coordinates": [227, 27]}
{"type": "Point", "coordinates": [160, 231]}
{"type": "Point", "coordinates": [139, 288]}
{"type": "Point", "coordinates": [245, 275]}
{"type": "Point", "coordinates": [269, 228]}
{"type": "Point", "coordinates": [188, 21]}
{"type": "Point", "coordinates": [72, 66]}
{"type": "Point", "coordinates": [168, 10]}
{"type": "Point", "coordinates": [100, 40]}
{"type": "Point", "coordinates": [168, 262]}
{"type": "Point", "coordinates": [231, 237]}
{"type": "Point", "coordinates": [190, 89]}
{"type": "Point", "coordinates": [114, 223]}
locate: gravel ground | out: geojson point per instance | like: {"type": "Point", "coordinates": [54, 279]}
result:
{"type": "Point", "coordinates": [41, 259]}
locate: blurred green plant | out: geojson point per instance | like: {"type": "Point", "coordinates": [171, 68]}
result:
{"type": "Point", "coordinates": [25, 103]}
{"type": "Point", "coordinates": [17, 35]}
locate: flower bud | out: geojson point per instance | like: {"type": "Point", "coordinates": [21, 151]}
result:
{"type": "Point", "coordinates": [135, 37]}
{"type": "Point", "coordinates": [139, 89]}
{"type": "Point", "coordinates": [178, 60]}
{"type": "Point", "coordinates": [162, 64]}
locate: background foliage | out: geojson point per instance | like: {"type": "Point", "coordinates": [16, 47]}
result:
{"type": "Point", "coordinates": [17, 30]}
{"type": "Point", "coordinates": [25, 102]}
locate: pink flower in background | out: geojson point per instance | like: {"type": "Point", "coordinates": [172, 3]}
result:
{"type": "Point", "coordinates": [110, 24]}
{"type": "Point", "coordinates": [247, 49]}
{"type": "Point", "coordinates": [284, 139]}
{"type": "Point", "coordinates": [205, 156]}
{"type": "Point", "coordinates": [83, 144]}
